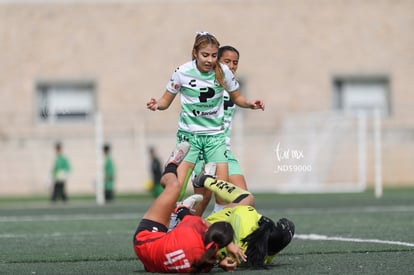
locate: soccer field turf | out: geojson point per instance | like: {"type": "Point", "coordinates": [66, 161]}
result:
{"type": "Point", "coordinates": [335, 234]}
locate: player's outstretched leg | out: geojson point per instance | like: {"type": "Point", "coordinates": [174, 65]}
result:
{"type": "Point", "coordinates": [229, 192]}
{"type": "Point", "coordinates": [162, 207]}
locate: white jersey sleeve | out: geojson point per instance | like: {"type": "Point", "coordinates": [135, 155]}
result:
{"type": "Point", "coordinates": [229, 79]}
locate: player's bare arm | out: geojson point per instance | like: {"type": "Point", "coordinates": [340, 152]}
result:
{"type": "Point", "coordinates": [241, 101]}
{"type": "Point", "coordinates": [163, 103]}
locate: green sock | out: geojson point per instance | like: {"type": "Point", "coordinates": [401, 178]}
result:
{"type": "Point", "coordinates": [229, 192]}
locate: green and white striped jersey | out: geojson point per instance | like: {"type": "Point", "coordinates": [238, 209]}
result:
{"type": "Point", "coordinates": [201, 98]}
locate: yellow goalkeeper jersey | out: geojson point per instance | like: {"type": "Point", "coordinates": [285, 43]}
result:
{"type": "Point", "coordinates": [244, 220]}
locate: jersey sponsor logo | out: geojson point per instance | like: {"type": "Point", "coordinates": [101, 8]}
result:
{"type": "Point", "coordinates": [201, 113]}
{"type": "Point", "coordinates": [175, 256]}
{"type": "Point", "coordinates": [206, 93]}
{"type": "Point", "coordinates": [192, 83]}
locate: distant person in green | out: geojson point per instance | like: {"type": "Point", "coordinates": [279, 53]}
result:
{"type": "Point", "coordinates": [156, 173]}
{"type": "Point", "coordinates": [60, 172]}
{"type": "Point", "coordinates": [109, 174]}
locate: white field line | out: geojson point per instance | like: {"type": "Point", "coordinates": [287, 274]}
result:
{"type": "Point", "coordinates": [313, 237]}
{"type": "Point", "coordinates": [316, 237]}
{"type": "Point", "coordinates": [56, 234]}
{"type": "Point", "coordinates": [76, 217]}
{"type": "Point", "coordinates": [138, 215]}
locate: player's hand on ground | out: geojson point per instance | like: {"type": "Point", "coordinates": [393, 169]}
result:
{"type": "Point", "coordinates": [152, 104]}
{"type": "Point", "coordinates": [228, 264]}
{"type": "Point", "coordinates": [236, 252]}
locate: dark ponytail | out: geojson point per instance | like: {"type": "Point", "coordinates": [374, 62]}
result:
{"type": "Point", "coordinates": [257, 242]}
{"type": "Point", "coordinates": [218, 235]}
{"type": "Point", "coordinates": [268, 239]}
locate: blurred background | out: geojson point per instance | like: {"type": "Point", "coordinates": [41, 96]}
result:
{"type": "Point", "coordinates": [336, 77]}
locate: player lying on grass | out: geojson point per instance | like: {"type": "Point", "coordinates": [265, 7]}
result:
{"type": "Point", "coordinates": [260, 237]}
{"type": "Point", "coordinates": [190, 247]}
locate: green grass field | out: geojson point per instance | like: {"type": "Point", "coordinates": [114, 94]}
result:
{"type": "Point", "coordinates": [335, 234]}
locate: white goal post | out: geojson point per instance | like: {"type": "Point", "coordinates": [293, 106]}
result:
{"type": "Point", "coordinates": [99, 188]}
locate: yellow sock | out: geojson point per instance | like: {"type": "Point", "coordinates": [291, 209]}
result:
{"type": "Point", "coordinates": [229, 192]}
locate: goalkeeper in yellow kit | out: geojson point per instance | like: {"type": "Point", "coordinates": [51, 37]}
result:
{"type": "Point", "coordinates": [259, 236]}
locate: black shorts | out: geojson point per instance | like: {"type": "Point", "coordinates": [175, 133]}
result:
{"type": "Point", "coordinates": [151, 226]}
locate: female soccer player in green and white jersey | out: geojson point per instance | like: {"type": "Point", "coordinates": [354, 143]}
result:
{"type": "Point", "coordinates": [230, 56]}
{"type": "Point", "coordinates": [201, 84]}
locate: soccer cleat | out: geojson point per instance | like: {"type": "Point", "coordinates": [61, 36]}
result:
{"type": "Point", "coordinates": [209, 171]}
{"type": "Point", "coordinates": [191, 201]}
{"type": "Point", "coordinates": [178, 154]}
